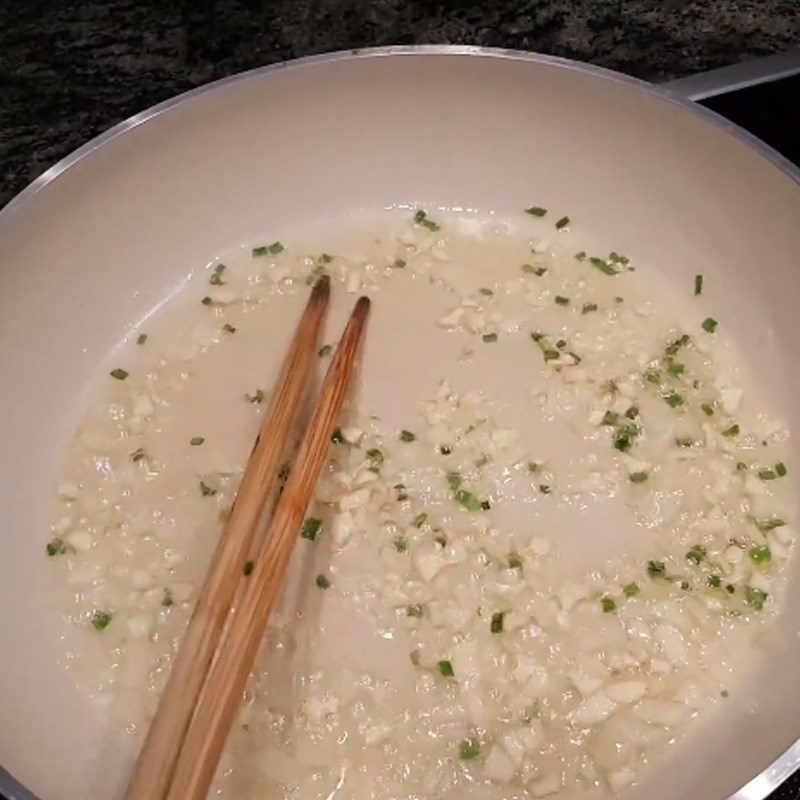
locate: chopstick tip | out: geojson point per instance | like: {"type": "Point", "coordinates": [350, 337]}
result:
{"type": "Point", "coordinates": [362, 308]}
{"type": "Point", "coordinates": [322, 289]}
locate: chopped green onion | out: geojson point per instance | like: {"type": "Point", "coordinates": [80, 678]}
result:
{"type": "Point", "coordinates": [714, 581]}
{"type": "Point", "coordinates": [400, 544]}
{"type": "Point", "coordinates": [167, 600]}
{"type": "Point", "coordinates": [415, 610]}
{"type": "Point", "coordinates": [228, 328]}
{"type": "Point", "coordinates": [454, 480]}
{"type": "Point", "coordinates": [421, 218]}
{"type": "Point", "coordinates": [446, 669]}
{"type": "Point", "coordinates": [603, 266]}
{"type": "Point", "coordinates": [780, 469]}
{"type": "Point", "coordinates": [638, 477]}
{"type": "Point", "coordinates": [562, 223]}
{"type": "Point", "coordinates": [325, 350]}
{"type": "Point", "coordinates": [445, 449]}
{"type": "Point", "coordinates": [755, 598]}
{"type": "Point", "coordinates": [101, 620]}
{"type": "Point", "coordinates": [536, 211]}
{"type": "Point", "coordinates": [697, 554]}
{"type": "Point", "coordinates": [119, 373]}
{"type": "Point", "coordinates": [468, 500]}
{"type": "Point", "coordinates": [761, 554]}
{"type": "Point", "coordinates": [656, 569]}
{"type": "Point", "coordinates": [486, 292]}
{"type": "Point", "coordinates": [698, 284]}
{"type": "Point", "coordinates": [206, 490]}
{"type": "Point", "coordinates": [207, 301]}
{"type": "Point", "coordinates": [708, 409]}
{"type": "Point", "coordinates": [58, 547]}
{"type": "Point", "coordinates": [681, 341]}
{"type": "Point", "coordinates": [469, 749]}
{"type": "Point", "coordinates": [196, 441]}
{"type": "Point", "coordinates": [419, 520]}
{"type": "Point", "coordinates": [407, 436]}
{"type": "Point", "coordinates": [137, 455]}
{"type": "Point", "coordinates": [141, 338]}
{"type": "Point", "coordinates": [399, 263]}
{"type": "Point", "coordinates": [608, 604]}
{"type": "Point", "coordinates": [674, 399]}
{"type": "Point", "coordinates": [311, 528]}
{"type": "Point", "coordinates": [631, 590]}
{"type": "Point", "coordinates": [588, 308]}
{"type": "Point", "coordinates": [323, 582]}
{"type": "Point", "coordinates": [769, 524]}
{"type": "Point", "coordinates": [216, 277]}
{"type": "Point", "coordinates": [256, 397]}
{"type": "Point", "coordinates": [709, 324]}
{"type": "Point", "coordinates": [732, 431]}
{"type": "Point", "coordinates": [375, 456]}
{"type": "Point", "coordinates": [337, 436]}
{"type": "Point", "coordinates": [544, 488]}
{"type": "Point", "coordinates": [767, 474]}
{"type": "Point", "coordinates": [580, 256]}
{"type": "Point", "coordinates": [248, 567]}
{"type": "Point", "coordinates": [496, 625]}
{"type": "Point", "coordinates": [675, 369]}
{"type": "Point", "coordinates": [537, 270]}
{"type": "Point", "coordinates": [489, 337]}
{"type": "Point", "coordinates": [561, 300]}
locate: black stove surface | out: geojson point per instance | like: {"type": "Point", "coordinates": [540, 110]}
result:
{"type": "Point", "coordinates": [771, 112]}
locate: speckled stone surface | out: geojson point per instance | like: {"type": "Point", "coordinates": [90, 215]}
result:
{"type": "Point", "coordinates": [70, 70]}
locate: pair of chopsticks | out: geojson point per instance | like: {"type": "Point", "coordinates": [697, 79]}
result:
{"type": "Point", "coordinates": [187, 735]}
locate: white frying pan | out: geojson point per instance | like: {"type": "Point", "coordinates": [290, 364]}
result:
{"type": "Point", "coordinates": [105, 235]}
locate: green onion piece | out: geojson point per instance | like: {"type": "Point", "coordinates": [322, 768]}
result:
{"type": "Point", "coordinates": [514, 561]}
{"type": "Point", "coordinates": [631, 590]}
{"type": "Point", "coordinates": [375, 456]}
{"type": "Point", "coordinates": [275, 248]}
{"type": "Point", "coordinates": [544, 488]}
{"type": "Point", "coordinates": [674, 399]}
{"type": "Point", "coordinates": [714, 581]}
{"type": "Point", "coordinates": [697, 554]}
{"type": "Point", "coordinates": [196, 441]}
{"type": "Point", "coordinates": [656, 569]}
{"type": "Point", "coordinates": [407, 436]}
{"type": "Point", "coordinates": [603, 266]}
{"type": "Point", "coordinates": [496, 625]}
{"type": "Point", "coordinates": [137, 455]}
{"type": "Point", "coordinates": [769, 524]}
{"type": "Point", "coordinates": [216, 276]}
{"type": "Point", "coordinates": [445, 449]}
{"type": "Point", "coordinates": [119, 373]}
{"type": "Point", "coordinates": [248, 567]}
{"type": "Point", "coordinates": [325, 350]}
{"type": "Point", "coordinates": [681, 341]}
{"type": "Point", "coordinates": [468, 500]}
{"type": "Point", "coordinates": [337, 437]}
{"type": "Point", "coordinates": [708, 409]}
{"type": "Point", "coordinates": [446, 669]}
{"type": "Point", "coordinates": [323, 582]}
{"type": "Point", "coordinates": [561, 300]}
{"type": "Point", "coordinates": [167, 599]}
{"type": "Point", "coordinates": [101, 620]}
{"type": "Point", "coordinates": [486, 292]}
{"type": "Point", "coordinates": [675, 369]}
{"type": "Point", "coordinates": [755, 598]}
{"type": "Point", "coordinates": [141, 338]}
{"type": "Point", "coordinates": [638, 477]}
{"type": "Point", "coordinates": [489, 337]}
{"type": "Point", "coordinates": [562, 223]}
{"type": "Point", "coordinates": [454, 480]}
{"type": "Point", "coordinates": [588, 308]}
{"type": "Point", "coordinates": [767, 474]}
{"type": "Point", "coordinates": [400, 544]}
{"type": "Point", "coordinates": [536, 211]}
{"type": "Point", "coordinates": [710, 324]}
{"type": "Point", "coordinates": [421, 218]}
{"type": "Point", "coordinates": [761, 554]}
{"type": "Point", "coordinates": [580, 256]}
{"type": "Point", "coordinates": [207, 301]}
{"type": "Point", "coordinates": [780, 469]}
{"type": "Point", "coordinates": [469, 749]}
{"type": "Point", "coordinates": [608, 604]}
{"type": "Point", "coordinates": [415, 658]}
{"type": "Point", "coordinates": [399, 263]}
{"type": "Point", "coordinates": [311, 528]}
{"type": "Point", "coordinates": [228, 328]}
{"type": "Point", "coordinates": [537, 270]}
{"type": "Point", "coordinates": [58, 547]}
{"type": "Point", "coordinates": [415, 610]}
{"type": "Point", "coordinates": [256, 397]}
{"type": "Point", "coordinates": [419, 520]}
{"type": "Point", "coordinates": [732, 431]}
{"type": "Point", "coordinates": [698, 284]}
{"type": "Point", "coordinates": [206, 490]}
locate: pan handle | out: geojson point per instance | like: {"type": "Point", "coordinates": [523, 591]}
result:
{"type": "Point", "coordinates": [737, 76]}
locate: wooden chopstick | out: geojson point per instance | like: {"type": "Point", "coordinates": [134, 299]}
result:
{"type": "Point", "coordinates": [222, 692]}
{"type": "Point", "coordinates": [156, 763]}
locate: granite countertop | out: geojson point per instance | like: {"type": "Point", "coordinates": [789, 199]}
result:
{"type": "Point", "coordinates": [69, 70]}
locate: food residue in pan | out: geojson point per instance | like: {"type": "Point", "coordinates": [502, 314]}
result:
{"type": "Point", "coordinates": [555, 516]}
